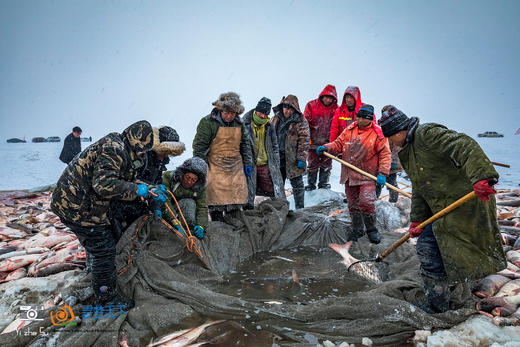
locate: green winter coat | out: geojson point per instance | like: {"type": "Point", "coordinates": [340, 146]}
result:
{"type": "Point", "coordinates": [172, 179]}
{"type": "Point", "coordinates": [207, 131]}
{"type": "Point", "coordinates": [443, 165]}
{"type": "Point", "coordinates": [104, 171]}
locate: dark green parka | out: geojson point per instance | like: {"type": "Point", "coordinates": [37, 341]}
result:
{"type": "Point", "coordinates": [104, 171]}
{"type": "Point", "coordinates": [172, 181]}
{"type": "Point", "coordinates": [207, 131]}
{"type": "Point", "coordinates": [443, 165]}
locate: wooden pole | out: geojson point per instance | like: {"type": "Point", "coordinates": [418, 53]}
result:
{"type": "Point", "coordinates": [355, 168]}
{"type": "Point", "coordinates": [499, 164]}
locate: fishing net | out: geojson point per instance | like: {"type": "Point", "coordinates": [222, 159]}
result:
{"type": "Point", "coordinates": [271, 271]}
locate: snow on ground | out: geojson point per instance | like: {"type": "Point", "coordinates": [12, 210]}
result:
{"type": "Point", "coordinates": [476, 331]}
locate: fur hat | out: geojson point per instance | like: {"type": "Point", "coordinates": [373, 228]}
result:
{"type": "Point", "coordinates": [167, 148]}
{"type": "Point", "coordinates": [229, 102]}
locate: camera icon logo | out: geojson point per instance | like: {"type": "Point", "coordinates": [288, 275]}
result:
{"type": "Point", "coordinates": [30, 313]}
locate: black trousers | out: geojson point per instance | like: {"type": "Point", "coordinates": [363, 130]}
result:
{"type": "Point", "coordinates": [100, 244]}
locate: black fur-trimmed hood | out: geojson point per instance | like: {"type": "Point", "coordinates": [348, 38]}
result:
{"type": "Point", "coordinates": [196, 165]}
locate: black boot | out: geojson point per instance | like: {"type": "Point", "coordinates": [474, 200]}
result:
{"type": "Point", "coordinates": [299, 197]}
{"type": "Point", "coordinates": [357, 228]}
{"type": "Point", "coordinates": [311, 180]}
{"type": "Point", "coordinates": [437, 293]}
{"type": "Point", "coordinates": [105, 293]}
{"type": "Point", "coordinates": [216, 216]}
{"type": "Point", "coordinates": [370, 224]}
{"type": "Point", "coordinates": [324, 179]}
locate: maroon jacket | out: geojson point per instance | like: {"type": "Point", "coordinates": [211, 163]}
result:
{"type": "Point", "coordinates": [320, 117]}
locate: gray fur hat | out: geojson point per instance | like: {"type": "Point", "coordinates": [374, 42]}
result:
{"type": "Point", "coordinates": [229, 102]}
{"type": "Point", "coordinates": [195, 165]}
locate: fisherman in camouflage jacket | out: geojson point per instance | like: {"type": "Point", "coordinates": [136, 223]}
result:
{"type": "Point", "coordinates": [103, 172]}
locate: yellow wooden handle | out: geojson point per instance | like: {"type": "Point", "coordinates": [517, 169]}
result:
{"type": "Point", "coordinates": [433, 218]}
{"type": "Point", "coordinates": [355, 168]}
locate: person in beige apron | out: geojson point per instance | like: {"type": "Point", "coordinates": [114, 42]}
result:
{"type": "Point", "coordinates": [221, 140]}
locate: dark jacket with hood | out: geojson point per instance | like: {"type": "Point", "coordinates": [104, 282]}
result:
{"type": "Point", "coordinates": [207, 131]}
{"type": "Point", "coordinates": [343, 116]}
{"type": "Point", "coordinates": [105, 171]}
{"type": "Point", "coordinates": [293, 136]}
{"type": "Point", "coordinates": [443, 165]}
{"type": "Point", "coordinates": [172, 181]}
{"type": "Point", "coordinates": [71, 147]}
{"type": "Point", "coordinates": [273, 159]}
{"type": "Point", "coordinates": [320, 117]}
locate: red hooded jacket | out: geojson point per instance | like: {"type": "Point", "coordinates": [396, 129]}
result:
{"type": "Point", "coordinates": [343, 117]}
{"type": "Point", "coordinates": [320, 116]}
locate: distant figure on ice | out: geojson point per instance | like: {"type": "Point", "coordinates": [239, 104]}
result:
{"type": "Point", "coordinates": [222, 141]}
{"type": "Point", "coordinates": [71, 145]}
{"type": "Point", "coordinates": [363, 145]}
{"type": "Point", "coordinates": [265, 179]}
{"type": "Point", "coordinates": [188, 184]}
{"type": "Point", "coordinates": [319, 113]}
{"type": "Point", "coordinates": [346, 113]}
{"type": "Point", "coordinates": [124, 213]}
{"type": "Point", "coordinates": [444, 165]}
{"type": "Point", "coordinates": [104, 172]}
{"type": "Point", "coordinates": [293, 135]}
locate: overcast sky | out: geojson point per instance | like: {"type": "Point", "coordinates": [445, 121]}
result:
{"type": "Point", "coordinates": [105, 64]}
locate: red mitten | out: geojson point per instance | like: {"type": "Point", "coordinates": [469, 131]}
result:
{"type": "Point", "coordinates": [483, 190]}
{"type": "Point", "coordinates": [415, 232]}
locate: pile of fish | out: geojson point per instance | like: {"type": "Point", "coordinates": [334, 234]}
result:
{"type": "Point", "coordinates": [33, 241]}
{"type": "Point", "coordinates": [500, 293]}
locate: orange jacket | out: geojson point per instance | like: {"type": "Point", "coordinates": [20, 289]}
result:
{"type": "Point", "coordinates": [365, 148]}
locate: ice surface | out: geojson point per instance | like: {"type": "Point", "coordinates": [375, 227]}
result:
{"type": "Point", "coordinates": [476, 331]}
{"type": "Point", "coordinates": [29, 165]}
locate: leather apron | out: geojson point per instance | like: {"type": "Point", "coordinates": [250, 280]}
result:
{"type": "Point", "coordinates": [226, 180]}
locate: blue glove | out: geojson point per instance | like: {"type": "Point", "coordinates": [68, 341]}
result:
{"type": "Point", "coordinates": [199, 232]}
{"type": "Point", "coordinates": [157, 215]}
{"type": "Point", "coordinates": [301, 164]}
{"type": "Point", "coordinates": [179, 229]}
{"type": "Point", "coordinates": [159, 197]}
{"type": "Point", "coordinates": [381, 180]}
{"type": "Point", "coordinates": [393, 166]}
{"type": "Point", "coordinates": [320, 150]}
{"type": "Point", "coordinates": [163, 189]}
{"type": "Point", "coordinates": [142, 190]}
{"type": "Point", "coordinates": [247, 170]}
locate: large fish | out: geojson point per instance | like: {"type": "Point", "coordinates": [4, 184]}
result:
{"type": "Point", "coordinates": [16, 274]}
{"type": "Point", "coordinates": [182, 337]}
{"type": "Point", "coordinates": [509, 289]}
{"type": "Point", "coordinates": [364, 269]}
{"type": "Point", "coordinates": [514, 319]}
{"type": "Point", "coordinates": [513, 257]}
{"type": "Point", "coordinates": [490, 285]}
{"type": "Point", "coordinates": [18, 262]}
{"type": "Point", "coordinates": [489, 304]}
{"type": "Point", "coordinates": [55, 268]}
